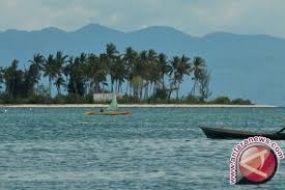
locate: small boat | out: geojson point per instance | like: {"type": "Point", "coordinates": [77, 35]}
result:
{"type": "Point", "coordinates": [223, 133]}
{"type": "Point", "coordinates": [111, 110]}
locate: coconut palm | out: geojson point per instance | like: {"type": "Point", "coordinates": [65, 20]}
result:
{"type": "Point", "coordinates": [130, 58]}
{"type": "Point", "coordinates": [76, 76]}
{"type": "Point", "coordinates": [1, 77]}
{"type": "Point", "coordinates": [110, 57]}
{"type": "Point", "coordinates": [204, 85]}
{"type": "Point", "coordinates": [133, 62]}
{"type": "Point", "coordinates": [97, 72]}
{"type": "Point", "coordinates": [197, 69]}
{"type": "Point", "coordinates": [173, 74]}
{"type": "Point", "coordinates": [183, 69]}
{"type": "Point", "coordinates": [120, 73]}
{"type": "Point", "coordinates": [34, 72]}
{"type": "Point", "coordinates": [180, 67]}
{"type": "Point", "coordinates": [144, 73]}
{"type": "Point", "coordinates": [59, 62]}
{"type": "Point", "coordinates": [13, 78]}
{"type": "Point", "coordinates": [31, 78]}
{"type": "Point", "coordinates": [58, 83]}
{"type": "Point", "coordinates": [141, 71]}
{"type": "Point", "coordinates": [163, 67]}
{"type": "Point", "coordinates": [153, 70]}
{"type": "Point", "coordinates": [83, 59]}
{"type": "Point", "coordinates": [38, 60]}
{"type": "Point", "coordinates": [50, 71]}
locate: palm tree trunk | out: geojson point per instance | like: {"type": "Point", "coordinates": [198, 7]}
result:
{"type": "Point", "coordinates": [50, 86]}
{"type": "Point", "coordinates": [58, 90]}
{"type": "Point", "coordinates": [75, 88]}
{"type": "Point", "coordinates": [194, 87]}
{"type": "Point", "coordinates": [146, 91]}
{"type": "Point", "coordinates": [177, 91]}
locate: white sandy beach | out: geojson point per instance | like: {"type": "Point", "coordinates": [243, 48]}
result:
{"type": "Point", "coordinates": [136, 106]}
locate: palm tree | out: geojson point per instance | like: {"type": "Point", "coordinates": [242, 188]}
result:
{"type": "Point", "coordinates": [130, 58]}
{"type": "Point", "coordinates": [153, 69]}
{"type": "Point", "coordinates": [97, 72]}
{"type": "Point", "coordinates": [164, 67]}
{"type": "Point", "coordinates": [111, 55]}
{"type": "Point", "coordinates": [49, 71]}
{"type": "Point", "coordinates": [59, 62]}
{"type": "Point", "coordinates": [141, 71]}
{"type": "Point", "coordinates": [38, 60]}
{"type": "Point", "coordinates": [58, 83]}
{"type": "Point", "coordinates": [83, 57]}
{"type": "Point", "coordinates": [198, 66]}
{"type": "Point", "coordinates": [35, 69]}
{"type": "Point", "coordinates": [31, 77]}
{"type": "Point", "coordinates": [183, 69]}
{"type": "Point", "coordinates": [74, 72]}
{"type": "Point", "coordinates": [180, 67]}
{"type": "Point", "coordinates": [1, 77]}
{"type": "Point", "coordinates": [173, 74]}
{"type": "Point", "coordinates": [204, 85]}
{"type": "Point", "coordinates": [13, 79]}
{"type": "Point", "coordinates": [120, 73]}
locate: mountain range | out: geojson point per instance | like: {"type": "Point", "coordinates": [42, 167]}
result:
{"type": "Point", "coordinates": [242, 66]}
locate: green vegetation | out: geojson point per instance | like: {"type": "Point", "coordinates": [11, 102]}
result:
{"type": "Point", "coordinates": [146, 76]}
{"type": "Point", "coordinates": [226, 100]}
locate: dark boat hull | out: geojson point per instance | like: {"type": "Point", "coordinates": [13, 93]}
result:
{"type": "Point", "coordinates": [221, 133]}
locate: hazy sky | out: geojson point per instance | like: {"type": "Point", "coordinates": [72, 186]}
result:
{"type": "Point", "coordinates": [195, 17]}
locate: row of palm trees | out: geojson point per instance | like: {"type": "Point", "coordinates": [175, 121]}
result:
{"type": "Point", "coordinates": [141, 73]}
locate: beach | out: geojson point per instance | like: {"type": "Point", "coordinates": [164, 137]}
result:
{"type": "Point", "coordinates": [137, 106]}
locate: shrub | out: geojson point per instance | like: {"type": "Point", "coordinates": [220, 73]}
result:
{"type": "Point", "coordinates": [221, 100]}
{"type": "Point", "coordinates": [240, 101]}
{"type": "Point", "coordinates": [192, 99]}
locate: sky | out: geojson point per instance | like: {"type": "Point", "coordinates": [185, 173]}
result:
{"type": "Point", "coordinates": [194, 17]}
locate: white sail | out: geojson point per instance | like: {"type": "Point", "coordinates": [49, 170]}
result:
{"type": "Point", "coordinates": [114, 104]}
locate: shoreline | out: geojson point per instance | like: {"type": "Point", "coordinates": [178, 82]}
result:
{"type": "Point", "coordinates": [135, 106]}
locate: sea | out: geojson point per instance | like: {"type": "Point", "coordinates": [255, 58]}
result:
{"type": "Point", "coordinates": [150, 149]}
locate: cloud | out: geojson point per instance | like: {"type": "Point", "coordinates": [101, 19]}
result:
{"type": "Point", "coordinates": [191, 16]}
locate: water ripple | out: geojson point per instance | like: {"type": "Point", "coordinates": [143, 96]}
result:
{"type": "Point", "coordinates": [159, 148]}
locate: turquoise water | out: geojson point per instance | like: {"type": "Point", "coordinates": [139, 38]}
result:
{"type": "Point", "coordinates": [153, 148]}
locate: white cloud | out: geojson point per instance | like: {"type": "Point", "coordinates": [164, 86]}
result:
{"type": "Point", "coordinates": [191, 16]}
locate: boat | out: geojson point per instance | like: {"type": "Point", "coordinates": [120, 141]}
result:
{"type": "Point", "coordinates": [112, 109]}
{"type": "Point", "coordinates": [225, 133]}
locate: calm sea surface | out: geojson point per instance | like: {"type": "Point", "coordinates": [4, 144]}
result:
{"type": "Point", "coordinates": [153, 148]}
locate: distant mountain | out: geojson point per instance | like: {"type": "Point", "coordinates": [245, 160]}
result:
{"type": "Point", "coordinates": [246, 66]}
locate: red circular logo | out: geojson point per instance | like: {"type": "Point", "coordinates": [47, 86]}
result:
{"type": "Point", "coordinates": [257, 163]}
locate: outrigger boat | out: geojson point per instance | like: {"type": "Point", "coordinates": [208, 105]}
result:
{"type": "Point", "coordinates": [223, 133]}
{"type": "Point", "coordinates": [111, 110]}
